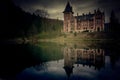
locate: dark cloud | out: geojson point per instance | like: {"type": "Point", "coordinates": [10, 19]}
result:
{"type": "Point", "coordinates": [56, 7]}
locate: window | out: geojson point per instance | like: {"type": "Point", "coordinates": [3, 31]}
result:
{"type": "Point", "coordinates": [98, 21]}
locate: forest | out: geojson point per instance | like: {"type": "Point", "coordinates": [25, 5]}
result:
{"type": "Point", "coordinates": [16, 23]}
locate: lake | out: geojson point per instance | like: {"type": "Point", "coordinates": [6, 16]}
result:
{"type": "Point", "coordinates": [55, 61]}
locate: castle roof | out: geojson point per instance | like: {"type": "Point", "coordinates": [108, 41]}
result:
{"type": "Point", "coordinates": [85, 17]}
{"type": "Point", "coordinates": [68, 8]}
{"type": "Point", "coordinates": [68, 70]}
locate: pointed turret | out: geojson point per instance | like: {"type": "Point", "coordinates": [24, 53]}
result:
{"type": "Point", "coordinates": [68, 8]}
{"type": "Point", "coordinates": [68, 18]}
{"type": "Point", "coordinates": [68, 70]}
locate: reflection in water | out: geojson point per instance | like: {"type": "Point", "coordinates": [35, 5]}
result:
{"type": "Point", "coordinates": [49, 61]}
{"type": "Point", "coordinates": [86, 57]}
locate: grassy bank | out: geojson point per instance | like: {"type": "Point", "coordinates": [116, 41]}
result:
{"type": "Point", "coordinates": [73, 37]}
{"type": "Point", "coordinates": [68, 37]}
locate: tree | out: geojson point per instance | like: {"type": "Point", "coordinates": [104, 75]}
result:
{"type": "Point", "coordinates": [114, 25]}
{"type": "Point", "coordinates": [42, 13]}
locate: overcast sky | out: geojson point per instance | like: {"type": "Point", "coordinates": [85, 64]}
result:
{"type": "Point", "coordinates": [56, 7]}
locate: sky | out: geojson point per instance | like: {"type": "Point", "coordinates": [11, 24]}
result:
{"type": "Point", "coordinates": [56, 7]}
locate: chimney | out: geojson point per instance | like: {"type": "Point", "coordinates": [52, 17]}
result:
{"type": "Point", "coordinates": [94, 11]}
{"type": "Point", "coordinates": [77, 14]}
{"type": "Point", "coordinates": [89, 12]}
{"type": "Point", "coordinates": [83, 14]}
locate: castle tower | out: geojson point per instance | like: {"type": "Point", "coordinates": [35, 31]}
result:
{"type": "Point", "coordinates": [68, 63]}
{"type": "Point", "coordinates": [99, 21]}
{"type": "Point", "coordinates": [68, 18]}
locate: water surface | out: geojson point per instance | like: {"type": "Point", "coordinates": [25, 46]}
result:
{"type": "Point", "coordinates": [68, 61]}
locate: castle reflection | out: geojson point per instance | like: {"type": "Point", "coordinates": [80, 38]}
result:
{"type": "Point", "coordinates": [85, 57]}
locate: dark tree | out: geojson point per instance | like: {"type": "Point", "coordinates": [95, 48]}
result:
{"type": "Point", "coordinates": [16, 23]}
{"type": "Point", "coordinates": [114, 25]}
{"type": "Point", "coordinates": [42, 13]}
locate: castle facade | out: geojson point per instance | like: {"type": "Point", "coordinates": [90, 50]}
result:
{"type": "Point", "coordinates": [74, 57]}
{"type": "Point", "coordinates": [91, 22]}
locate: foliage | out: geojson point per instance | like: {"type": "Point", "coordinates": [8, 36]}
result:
{"type": "Point", "coordinates": [114, 26]}
{"type": "Point", "coordinates": [42, 13]}
{"type": "Point", "coordinates": [18, 23]}
{"type": "Point", "coordinates": [75, 34]}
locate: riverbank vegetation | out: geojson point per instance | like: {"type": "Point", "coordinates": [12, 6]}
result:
{"type": "Point", "coordinates": [32, 27]}
{"type": "Point", "coordinates": [16, 23]}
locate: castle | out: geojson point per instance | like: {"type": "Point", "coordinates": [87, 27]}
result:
{"type": "Point", "coordinates": [91, 22]}
{"type": "Point", "coordinates": [74, 57]}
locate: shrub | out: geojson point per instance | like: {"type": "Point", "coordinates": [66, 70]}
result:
{"type": "Point", "coordinates": [65, 35]}
{"type": "Point", "coordinates": [75, 34]}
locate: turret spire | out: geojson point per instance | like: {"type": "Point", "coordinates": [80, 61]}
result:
{"type": "Point", "coordinates": [68, 8]}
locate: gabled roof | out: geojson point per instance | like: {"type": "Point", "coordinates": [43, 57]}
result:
{"type": "Point", "coordinates": [68, 8]}
{"type": "Point", "coordinates": [68, 70]}
{"type": "Point", "coordinates": [85, 17]}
